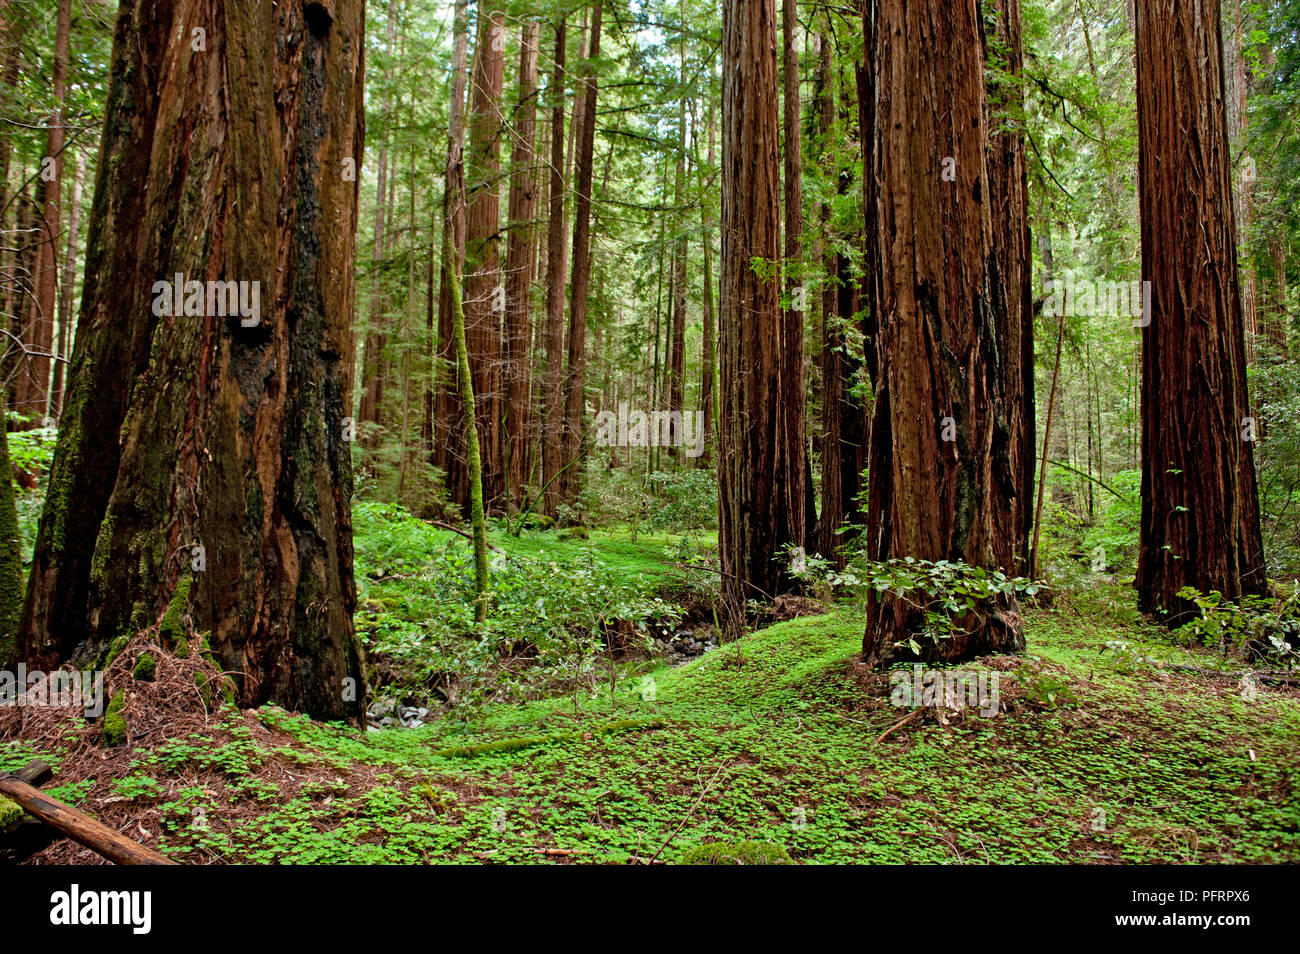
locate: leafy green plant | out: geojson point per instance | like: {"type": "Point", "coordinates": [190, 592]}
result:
{"type": "Point", "coordinates": [1254, 625]}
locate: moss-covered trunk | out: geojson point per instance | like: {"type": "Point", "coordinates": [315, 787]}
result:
{"type": "Point", "coordinates": [225, 159]}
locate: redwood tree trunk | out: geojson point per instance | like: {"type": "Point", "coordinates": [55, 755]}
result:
{"type": "Point", "coordinates": [556, 257]}
{"type": "Point", "coordinates": [519, 264]}
{"type": "Point", "coordinates": [446, 399]}
{"type": "Point", "coordinates": [1012, 294]}
{"type": "Point", "coordinates": [484, 304]}
{"type": "Point", "coordinates": [197, 430]}
{"type": "Point", "coordinates": [760, 463]}
{"type": "Point", "coordinates": [1200, 511]}
{"type": "Point", "coordinates": [575, 378]}
{"type": "Point", "coordinates": [931, 257]}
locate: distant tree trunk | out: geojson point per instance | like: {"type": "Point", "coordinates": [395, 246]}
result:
{"type": "Point", "coordinates": [202, 462]}
{"type": "Point", "coordinates": [519, 261]}
{"type": "Point", "coordinates": [1200, 510]}
{"type": "Point", "coordinates": [372, 369]}
{"type": "Point", "coordinates": [1237, 81]}
{"type": "Point", "coordinates": [844, 451]}
{"type": "Point", "coordinates": [446, 402]}
{"type": "Point", "coordinates": [1012, 293]}
{"type": "Point", "coordinates": [484, 290]}
{"type": "Point", "coordinates": [556, 258]}
{"type": "Point", "coordinates": [677, 328]}
{"type": "Point", "coordinates": [575, 383]}
{"type": "Point", "coordinates": [933, 494]}
{"type": "Point", "coordinates": [11, 557]}
{"type": "Point", "coordinates": [792, 426]}
{"type": "Point", "coordinates": [38, 332]}
{"type": "Point", "coordinates": [760, 462]}
{"type": "Point", "coordinates": [67, 289]}
{"type": "Point", "coordinates": [708, 402]}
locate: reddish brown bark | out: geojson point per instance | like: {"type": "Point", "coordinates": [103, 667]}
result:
{"type": "Point", "coordinates": [556, 257]}
{"type": "Point", "coordinates": [1200, 510]}
{"type": "Point", "coordinates": [931, 261]}
{"type": "Point", "coordinates": [519, 265]}
{"type": "Point", "coordinates": [446, 400]}
{"type": "Point", "coordinates": [484, 286]}
{"type": "Point", "coordinates": [195, 429]}
{"type": "Point", "coordinates": [575, 373]}
{"type": "Point", "coordinates": [761, 462]}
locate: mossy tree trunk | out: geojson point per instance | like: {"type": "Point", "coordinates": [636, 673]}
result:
{"type": "Point", "coordinates": [226, 157]}
{"type": "Point", "coordinates": [11, 558]}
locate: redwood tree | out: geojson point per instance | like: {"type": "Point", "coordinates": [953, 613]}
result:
{"type": "Point", "coordinates": [484, 291]}
{"type": "Point", "coordinates": [760, 462]}
{"type": "Point", "coordinates": [188, 431]}
{"type": "Point", "coordinates": [519, 264]}
{"type": "Point", "coordinates": [1200, 511]}
{"type": "Point", "coordinates": [575, 375]}
{"type": "Point", "coordinates": [933, 492]}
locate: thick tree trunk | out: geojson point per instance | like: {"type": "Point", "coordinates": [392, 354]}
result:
{"type": "Point", "coordinates": [556, 259]}
{"type": "Point", "coordinates": [484, 288]}
{"type": "Point", "coordinates": [933, 493]}
{"type": "Point", "coordinates": [202, 460]}
{"type": "Point", "coordinates": [575, 379]}
{"type": "Point", "coordinates": [1200, 511]}
{"type": "Point", "coordinates": [519, 264]}
{"type": "Point", "coordinates": [760, 462]}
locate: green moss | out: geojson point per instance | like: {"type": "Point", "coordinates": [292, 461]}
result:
{"type": "Point", "coordinates": [11, 561]}
{"type": "Point", "coordinates": [736, 853]}
{"type": "Point", "coordinates": [172, 628]}
{"type": "Point", "coordinates": [10, 813]}
{"type": "Point", "coordinates": [115, 649]}
{"type": "Point", "coordinates": [145, 665]}
{"type": "Point", "coordinates": [182, 649]}
{"type": "Point", "coordinates": [114, 721]}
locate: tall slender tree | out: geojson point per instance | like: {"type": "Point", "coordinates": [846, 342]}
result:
{"type": "Point", "coordinates": [575, 389]}
{"type": "Point", "coordinates": [761, 463]}
{"type": "Point", "coordinates": [519, 265]}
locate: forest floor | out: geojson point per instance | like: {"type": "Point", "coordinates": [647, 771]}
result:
{"type": "Point", "coordinates": [776, 746]}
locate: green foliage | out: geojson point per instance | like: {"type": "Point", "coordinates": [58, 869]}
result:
{"type": "Point", "coordinates": [114, 721]}
{"type": "Point", "coordinates": [552, 614]}
{"type": "Point", "coordinates": [1254, 625]}
{"type": "Point", "coordinates": [944, 592]}
{"type": "Point", "coordinates": [1113, 539]}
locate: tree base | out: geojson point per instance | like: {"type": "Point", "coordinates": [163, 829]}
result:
{"type": "Point", "coordinates": [892, 622]}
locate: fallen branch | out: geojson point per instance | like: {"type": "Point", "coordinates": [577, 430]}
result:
{"type": "Point", "coordinates": [446, 526]}
{"type": "Point", "coordinates": [82, 829]}
{"type": "Point", "coordinates": [899, 724]}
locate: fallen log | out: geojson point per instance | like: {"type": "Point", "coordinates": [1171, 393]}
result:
{"type": "Point", "coordinates": [81, 828]}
